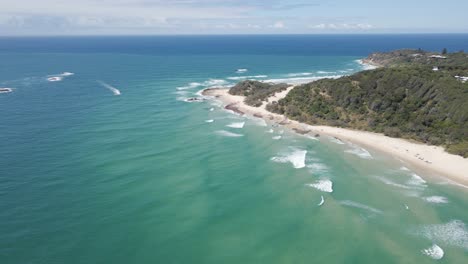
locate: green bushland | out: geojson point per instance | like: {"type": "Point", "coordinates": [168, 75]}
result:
{"type": "Point", "coordinates": [256, 92]}
{"type": "Point", "coordinates": [406, 98]}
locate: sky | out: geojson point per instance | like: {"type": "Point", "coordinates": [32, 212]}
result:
{"type": "Point", "coordinates": [152, 17]}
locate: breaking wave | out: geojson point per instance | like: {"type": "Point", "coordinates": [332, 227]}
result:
{"type": "Point", "coordinates": [435, 252]}
{"type": "Point", "coordinates": [436, 199]}
{"type": "Point", "coordinates": [361, 152]}
{"type": "Point", "coordinates": [237, 78]}
{"type": "Point", "coordinates": [225, 133]}
{"type": "Point", "coordinates": [336, 140]}
{"type": "Point", "coordinates": [296, 158]}
{"type": "Point", "coordinates": [301, 80]}
{"type": "Point", "coordinates": [236, 125]}
{"type": "Point", "coordinates": [322, 185]}
{"type": "Point", "coordinates": [276, 137]}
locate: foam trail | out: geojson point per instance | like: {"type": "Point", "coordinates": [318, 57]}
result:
{"type": "Point", "coordinates": [247, 77]}
{"type": "Point", "coordinates": [225, 133]}
{"type": "Point", "coordinates": [435, 252]}
{"type": "Point", "coordinates": [436, 199]}
{"type": "Point", "coordinates": [299, 74]}
{"type": "Point", "coordinates": [236, 125]}
{"type": "Point", "coordinates": [211, 109]}
{"type": "Point", "coordinates": [453, 233]}
{"type": "Point", "coordinates": [297, 158]}
{"type": "Point", "coordinates": [389, 182]}
{"type": "Point", "coordinates": [336, 140]}
{"type": "Point", "coordinates": [276, 137]}
{"type": "Point", "coordinates": [321, 201]}
{"type": "Point", "coordinates": [209, 121]}
{"type": "Point", "coordinates": [322, 185]}
{"type": "Point", "coordinates": [361, 206]}
{"type": "Point", "coordinates": [110, 87]}
{"type": "Point", "coordinates": [361, 152]}
{"type": "Point", "coordinates": [416, 180]}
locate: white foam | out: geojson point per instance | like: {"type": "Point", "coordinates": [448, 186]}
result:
{"type": "Point", "coordinates": [435, 252]}
{"type": "Point", "coordinates": [301, 80]}
{"type": "Point", "coordinates": [189, 86]}
{"type": "Point", "coordinates": [214, 82]}
{"type": "Point", "coordinates": [209, 121]}
{"type": "Point", "coordinates": [436, 199]}
{"type": "Point", "coordinates": [276, 137]}
{"type": "Point", "coordinates": [296, 158]}
{"type": "Point", "coordinates": [392, 183]}
{"type": "Point", "coordinates": [247, 77]}
{"type": "Point", "coordinates": [211, 109]}
{"type": "Point", "coordinates": [242, 70]}
{"type": "Point", "coordinates": [313, 138]}
{"type": "Point", "coordinates": [406, 207]}
{"type": "Point", "coordinates": [270, 131]}
{"type": "Point", "coordinates": [366, 66]}
{"type": "Point", "coordinates": [358, 151]}
{"type": "Point", "coordinates": [325, 72]}
{"type": "Point", "coordinates": [336, 140]}
{"type": "Point", "coordinates": [299, 74]}
{"type": "Point", "coordinates": [322, 201]}
{"type": "Point", "coordinates": [452, 233]}
{"type": "Point", "coordinates": [236, 125]}
{"type": "Point", "coordinates": [416, 180]}
{"type": "Point", "coordinates": [361, 206]}
{"type": "Point", "coordinates": [114, 90]}
{"type": "Point", "coordinates": [55, 79]}
{"type": "Point", "coordinates": [318, 167]}
{"type": "Point", "coordinates": [322, 185]}
{"type": "Point", "coordinates": [67, 74]}
{"type": "Point", "coordinates": [404, 168]}
{"type": "Point", "coordinates": [227, 133]}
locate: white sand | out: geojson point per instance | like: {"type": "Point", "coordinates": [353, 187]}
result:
{"type": "Point", "coordinates": [431, 159]}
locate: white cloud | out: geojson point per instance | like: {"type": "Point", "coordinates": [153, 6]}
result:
{"type": "Point", "coordinates": [343, 26]}
{"type": "Point", "coordinates": [278, 25]}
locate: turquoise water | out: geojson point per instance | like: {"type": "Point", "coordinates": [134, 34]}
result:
{"type": "Point", "coordinates": [90, 177]}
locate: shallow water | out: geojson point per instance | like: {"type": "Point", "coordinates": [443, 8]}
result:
{"type": "Point", "coordinates": [90, 177]}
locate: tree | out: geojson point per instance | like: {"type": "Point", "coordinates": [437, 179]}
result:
{"type": "Point", "coordinates": [444, 51]}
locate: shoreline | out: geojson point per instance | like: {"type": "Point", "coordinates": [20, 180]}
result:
{"type": "Point", "coordinates": [431, 159]}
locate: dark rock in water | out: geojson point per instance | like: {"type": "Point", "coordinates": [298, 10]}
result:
{"type": "Point", "coordinates": [6, 90]}
{"type": "Point", "coordinates": [194, 99]}
{"type": "Point", "coordinates": [317, 135]}
{"type": "Point", "coordinates": [234, 108]}
{"type": "Point", "coordinates": [300, 131]}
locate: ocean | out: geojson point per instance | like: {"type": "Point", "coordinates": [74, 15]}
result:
{"type": "Point", "coordinates": [110, 164]}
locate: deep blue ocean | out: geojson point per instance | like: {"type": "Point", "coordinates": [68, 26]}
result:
{"type": "Point", "coordinates": [88, 175]}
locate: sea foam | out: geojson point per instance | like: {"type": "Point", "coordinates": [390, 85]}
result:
{"type": "Point", "coordinates": [236, 125]}
{"type": "Point", "coordinates": [225, 133]}
{"type": "Point", "coordinates": [452, 233]}
{"type": "Point", "coordinates": [435, 252]}
{"type": "Point", "coordinates": [436, 199]}
{"type": "Point", "coordinates": [296, 158]}
{"type": "Point", "coordinates": [360, 152]}
{"type": "Point", "coordinates": [322, 185]}
{"type": "Point", "coordinates": [361, 206]}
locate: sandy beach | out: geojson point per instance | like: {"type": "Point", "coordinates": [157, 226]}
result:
{"type": "Point", "coordinates": [434, 161]}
